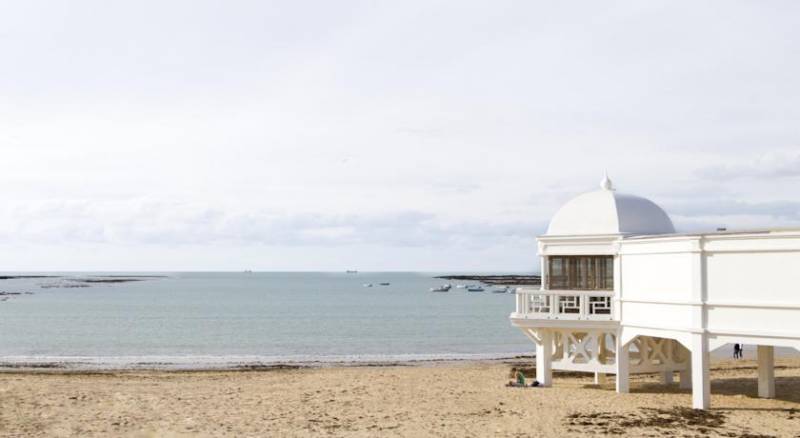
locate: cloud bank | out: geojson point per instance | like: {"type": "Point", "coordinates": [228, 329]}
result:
{"type": "Point", "coordinates": [410, 135]}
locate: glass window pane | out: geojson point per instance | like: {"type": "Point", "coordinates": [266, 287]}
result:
{"type": "Point", "coordinates": [580, 272]}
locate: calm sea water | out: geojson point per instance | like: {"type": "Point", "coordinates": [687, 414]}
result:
{"type": "Point", "coordinates": [223, 318]}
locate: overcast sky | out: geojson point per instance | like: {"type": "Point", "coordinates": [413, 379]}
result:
{"type": "Point", "coordinates": [406, 135]}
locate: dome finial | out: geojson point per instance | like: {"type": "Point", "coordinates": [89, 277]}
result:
{"type": "Point", "coordinates": [605, 184]}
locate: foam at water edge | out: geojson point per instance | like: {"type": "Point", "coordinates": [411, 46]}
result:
{"type": "Point", "coordinates": [228, 362]}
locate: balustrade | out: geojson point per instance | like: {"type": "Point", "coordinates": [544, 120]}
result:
{"type": "Point", "coordinates": [565, 304]}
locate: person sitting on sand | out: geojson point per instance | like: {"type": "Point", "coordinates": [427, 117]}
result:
{"type": "Point", "coordinates": [520, 380]}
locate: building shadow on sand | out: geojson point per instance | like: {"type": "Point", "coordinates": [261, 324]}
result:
{"type": "Point", "coordinates": [786, 388]}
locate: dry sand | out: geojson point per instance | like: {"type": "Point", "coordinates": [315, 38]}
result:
{"type": "Point", "coordinates": [450, 399]}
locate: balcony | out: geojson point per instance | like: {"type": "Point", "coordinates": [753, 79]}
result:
{"type": "Point", "coordinates": [567, 305]}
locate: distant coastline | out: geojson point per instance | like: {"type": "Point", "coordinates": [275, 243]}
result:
{"type": "Point", "coordinates": [500, 280]}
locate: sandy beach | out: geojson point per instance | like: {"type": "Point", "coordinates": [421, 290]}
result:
{"type": "Point", "coordinates": [435, 399]}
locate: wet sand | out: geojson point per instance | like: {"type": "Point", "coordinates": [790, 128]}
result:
{"type": "Point", "coordinates": [445, 399]}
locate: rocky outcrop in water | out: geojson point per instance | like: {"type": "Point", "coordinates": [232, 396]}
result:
{"type": "Point", "coordinates": [4, 296]}
{"type": "Point", "coordinates": [500, 280]}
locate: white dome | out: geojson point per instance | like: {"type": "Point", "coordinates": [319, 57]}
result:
{"type": "Point", "coordinates": [605, 211]}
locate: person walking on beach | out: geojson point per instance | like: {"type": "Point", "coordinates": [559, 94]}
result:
{"type": "Point", "coordinates": [737, 351]}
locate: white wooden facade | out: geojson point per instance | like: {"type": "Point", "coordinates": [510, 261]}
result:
{"type": "Point", "coordinates": [675, 297]}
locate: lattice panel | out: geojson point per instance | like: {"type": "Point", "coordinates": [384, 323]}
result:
{"type": "Point", "coordinates": [599, 305]}
{"type": "Point", "coordinates": [650, 353]}
{"type": "Point", "coordinates": [569, 304]}
{"type": "Point", "coordinates": [540, 303]}
{"type": "Point", "coordinates": [583, 347]}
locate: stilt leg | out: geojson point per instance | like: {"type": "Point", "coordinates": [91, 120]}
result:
{"type": "Point", "coordinates": [544, 359]}
{"type": "Point", "coordinates": [685, 377]}
{"type": "Point", "coordinates": [666, 377]}
{"type": "Point", "coordinates": [701, 382]}
{"type": "Point", "coordinates": [623, 363]}
{"type": "Point", "coordinates": [599, 378]}
{"type": "Point", "coordinates": [766, 371]}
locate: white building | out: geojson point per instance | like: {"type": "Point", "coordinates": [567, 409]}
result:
{"type": "Point", "coordinates": [623, 293]}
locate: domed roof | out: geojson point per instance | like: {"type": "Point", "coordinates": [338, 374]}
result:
{"type": "Point", "coordinates": [606, 211]}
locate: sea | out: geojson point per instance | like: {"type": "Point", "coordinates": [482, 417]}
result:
{"type": "Point", "coordinates": [200, 320]}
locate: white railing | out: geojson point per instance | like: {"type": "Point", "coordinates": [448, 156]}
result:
{"type": "Point", "coordinates": [565, 304]}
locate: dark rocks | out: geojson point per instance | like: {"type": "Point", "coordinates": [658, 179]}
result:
{"type": "Point", "coordinates": [4, 296]}
{"type": "Point", "coordinates": [107, 280]}
{"type": "Point", "coordinates": [500, 280]}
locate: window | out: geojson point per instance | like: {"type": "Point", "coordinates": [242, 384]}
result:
{"type": "Point", "coordinates": [580, 272]}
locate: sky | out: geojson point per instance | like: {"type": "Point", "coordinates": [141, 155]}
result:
{"type": "Point", "coordinates": [376, 135]}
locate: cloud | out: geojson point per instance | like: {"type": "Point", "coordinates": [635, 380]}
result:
{"type": "Point", "coordinates": [772, 165]}
{"type": "Point", "coordinates": [266, 128]}
{"type": "Point", "coordinates": [161, 222]}
{"type": "Point", "coordinates": [422, 131]}
{"type": "Point", "coordinates": [730, 207]}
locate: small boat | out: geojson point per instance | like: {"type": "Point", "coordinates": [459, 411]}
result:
{"type": "Point", "coordinates": [500, 290]}
{"type": "Point", "coordinates": [461, 286]}
{"type": "Point", "coordinates": [384, 284]}
{"type": "Point", "coordinates": [475, 289]}
{"type": "Point", "coordinates": [442, 288]}
{"type": "Point", "coordinates": [351, 272]}
{"type": "Point", "coordinates": [367, 284]}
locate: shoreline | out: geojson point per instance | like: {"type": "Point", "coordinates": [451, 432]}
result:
{"type": "Point", "coordinates": [79, 364]}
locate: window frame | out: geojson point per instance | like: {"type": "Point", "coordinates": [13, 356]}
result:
{"type": "Point", "coordinates": [580, 272]}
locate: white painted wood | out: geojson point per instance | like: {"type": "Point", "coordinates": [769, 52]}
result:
{"type": "Point", "coordinates": [589, 368]}
{"type": "Point", "coordinates": [702, 290]}
{"type": "Point", "coordinates": [766, 371]}
{"type": "Point", "coordinates": [544, 358]}
{"type": "Point", "coordinates": [701, 384]}
{"type": "Point", "coordinates": [543, 273]}
{"type": "Point", "coordinates": [623, 363]}
{"type": "Point", "coordinates": [600, 378]}
{"type": "Point", "coordinates": [554, 304]}
{"type": "Point", "coordinates": [583, 324]}
{"type": "Point", "coordinates": [617, 285]}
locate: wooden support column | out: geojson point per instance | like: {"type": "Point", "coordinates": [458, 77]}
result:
{"type": "Point", "coordinates": [701, 381]}
{"type": "Point", "coordinates": [543, 271]}
{"type": "Point", "coordinates": [599, 378]}
{"type": "Point", "coordinates": [623, 367]}
{"type": "Point", "coordinates": [685, 377]}
{"type": "Point", "coordinates": [544, 359]}
{"type": "Point", "coordinates": [766, 371]}
{"type": "Point", "coordinates": [667, 377]}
